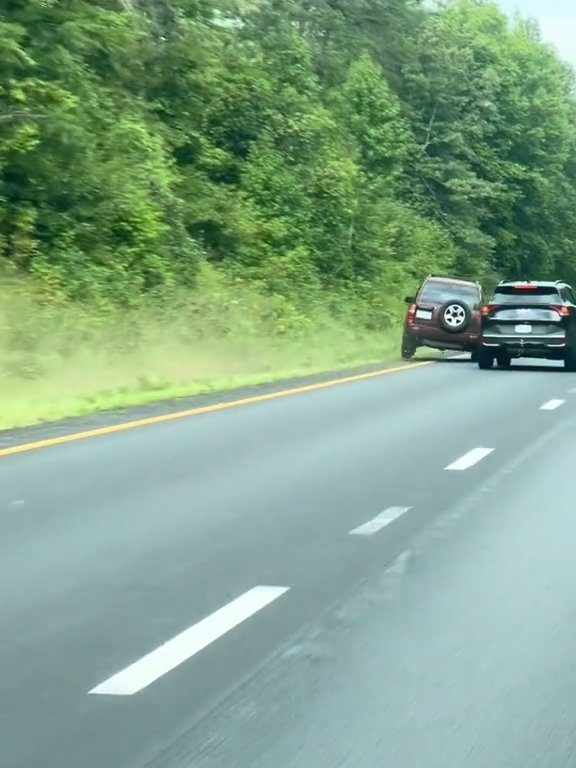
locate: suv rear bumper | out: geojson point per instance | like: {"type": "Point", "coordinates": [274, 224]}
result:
{"type": "Point", "coordinates": [436, 338]}
{"type": "Point", "coordinates": [527, 346]}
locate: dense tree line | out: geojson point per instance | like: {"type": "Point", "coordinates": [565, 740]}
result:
{"type": "Point", "coordinates": [303, 145]}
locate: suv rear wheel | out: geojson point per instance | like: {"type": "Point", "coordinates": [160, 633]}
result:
{"type": "Point", "coordinates": [409, 348]}
{"type": "Point", "coordinates": [485, 359]}
{"type": "Point", "coordinates": [570, 361]}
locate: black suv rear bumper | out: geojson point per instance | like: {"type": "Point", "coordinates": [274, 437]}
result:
{"type": "Point", "coordinates": [552, 347]}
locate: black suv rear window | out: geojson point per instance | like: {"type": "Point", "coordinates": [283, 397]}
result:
{"type": "Point", "coordinates": [436, 291]}
{"type": "Point", "coordinates": [539, 294]}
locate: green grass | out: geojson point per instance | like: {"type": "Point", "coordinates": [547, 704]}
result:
{"type": "Point", "coordinates": [87, 384]}
{"type": "Point", "coordinates": [59, 360]}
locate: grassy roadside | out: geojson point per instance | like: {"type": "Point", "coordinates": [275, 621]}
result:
{"type": "Point", "coordinates": [59, 360]}
{"type": "Point", "coordinates": [85, 386]}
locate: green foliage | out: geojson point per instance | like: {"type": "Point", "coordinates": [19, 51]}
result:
{"type": "Point", "coordinates": [86, 180]}
{"type": "Point", "coordinates": [60, 358]}
{"type": "Point", "coordinates": [341, 148]}
{"type": "Point", "coordinates": [493, 111]}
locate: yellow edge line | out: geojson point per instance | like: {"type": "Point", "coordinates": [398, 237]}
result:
{"type": "Point", "coordinates": [75, 437]}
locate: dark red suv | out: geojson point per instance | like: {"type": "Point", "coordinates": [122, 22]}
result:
{"type": "Point", "coordinates": [445, 314]}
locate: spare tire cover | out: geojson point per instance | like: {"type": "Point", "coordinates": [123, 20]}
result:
{"type": "Point", "coordinates": [454, 316]}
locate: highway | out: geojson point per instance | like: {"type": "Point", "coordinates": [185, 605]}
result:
{"type": "Point", "coordinates": [379, 573]}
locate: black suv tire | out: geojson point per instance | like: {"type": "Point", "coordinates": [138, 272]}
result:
{"type": "Point", "coordinates": [454, 316]}
{"type": "Point", "coordinates": [570, 361]}
{"type": "Point", "coordinates": [485, 359]}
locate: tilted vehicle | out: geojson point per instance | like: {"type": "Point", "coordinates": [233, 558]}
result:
{"type": "Point", "coordinates": [444, 314]}
{"type": "Point", "coordinates": [529, 319]}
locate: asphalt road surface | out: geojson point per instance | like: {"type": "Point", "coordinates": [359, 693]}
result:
{"type": "Point", "coordinates": [376, 574]}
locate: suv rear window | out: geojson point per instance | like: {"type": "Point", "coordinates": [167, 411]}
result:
{"type": "Point", "coordinates": [540, 294]}
{"type": "Point", "coordinates": [437, 291]}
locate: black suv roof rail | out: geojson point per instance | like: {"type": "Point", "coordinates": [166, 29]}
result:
{"type": "Point", "coordinates": [542, 282]}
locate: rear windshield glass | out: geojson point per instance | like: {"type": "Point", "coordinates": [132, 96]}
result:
{"type": "Point", "coordinates": [522, 313]}
{"type": "Point", "coordinates": [538, 295]}
{"type": "Point", "coordinates": [435, 291]}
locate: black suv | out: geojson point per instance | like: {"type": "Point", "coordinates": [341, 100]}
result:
{"type": "Point", "coordinates": [529, 319]}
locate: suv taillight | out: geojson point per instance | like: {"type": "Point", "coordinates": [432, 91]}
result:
{"type": "Point", "coordinates": [411, 313]}
{"type": "Point", "coordinates": [562, 311]}
{"type": "Point", "coordinates": [486, 310]}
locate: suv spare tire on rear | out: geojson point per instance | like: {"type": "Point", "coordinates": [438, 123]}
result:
{"type": "Point", "coordinates": [454, 316]}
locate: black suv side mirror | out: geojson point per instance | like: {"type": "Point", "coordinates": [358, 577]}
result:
{"type": "Point", "coordinates": [410, 299]}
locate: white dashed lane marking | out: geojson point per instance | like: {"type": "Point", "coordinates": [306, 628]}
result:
{"type": "Point", "coordinates": [188, 643]}
{"type": "Point", "coordinates": [469, 459]}
{"type": "Point", "coordinates": [379, 522]}
{"type": "Point", "coordinates": [551, 405]}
